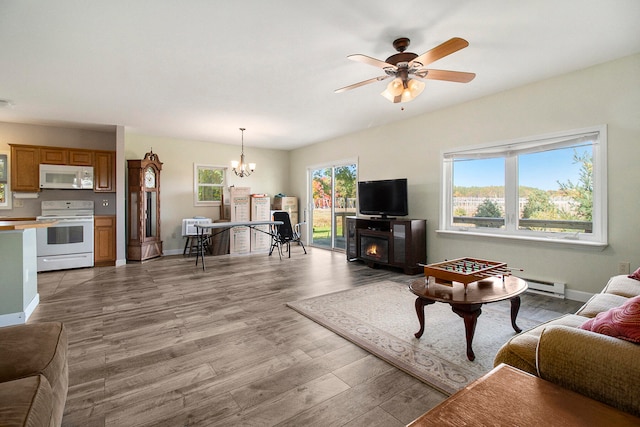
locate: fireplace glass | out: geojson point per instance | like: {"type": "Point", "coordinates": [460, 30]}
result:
{"type": "Point", "coordinates": [374, 249]}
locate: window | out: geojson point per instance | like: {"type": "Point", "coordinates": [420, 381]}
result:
{"type": "Point", "coordinates": [550, 188]}
{"type": "Point", "coordinates": [5, 193]}
{"type": "Point", "coordinates": [208, 183]}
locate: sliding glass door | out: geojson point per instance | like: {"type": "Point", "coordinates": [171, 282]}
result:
{"type": "Point", "coordinates": [333, 195]}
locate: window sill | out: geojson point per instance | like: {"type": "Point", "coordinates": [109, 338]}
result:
{"type": "Point", "coordinates": [207, 204]}
{"type": "Point", "coordinates": [570, 243]}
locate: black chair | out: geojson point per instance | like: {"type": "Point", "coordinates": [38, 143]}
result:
{"type": "Point", "coordinates": [284, 234]}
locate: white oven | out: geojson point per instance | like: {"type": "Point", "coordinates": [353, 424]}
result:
{"type": "Point", "coordinates": [69, 243]}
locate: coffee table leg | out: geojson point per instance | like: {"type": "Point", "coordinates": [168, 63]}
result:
{"type": "Point", "coordinates": [469, 314]}
{"type": "Point", "coordinates": [420, 304]}
{"type": "Point", "coordinates": [515, 308]}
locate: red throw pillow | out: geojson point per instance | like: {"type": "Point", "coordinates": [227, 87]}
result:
{"type": "Point", "coordinates": [620, 322]}
{"type": "Point", "coordinates": [635, 275]}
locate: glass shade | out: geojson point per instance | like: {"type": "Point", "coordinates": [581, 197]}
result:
{"type": "Point", "coordinates": [393, 92]}
{"type": "Point", "coordinates": [396, 92]}
{"type": "Point", "coordinates": [414, 88]}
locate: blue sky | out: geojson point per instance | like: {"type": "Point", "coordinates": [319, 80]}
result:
{"type": "Point", "coordinates": [540, 170]}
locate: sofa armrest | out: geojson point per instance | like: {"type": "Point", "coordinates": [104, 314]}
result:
{"type": "Point", "coordinates": [595, 365]}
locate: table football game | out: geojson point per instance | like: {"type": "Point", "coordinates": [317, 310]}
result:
{"type": "Point", "coordinates": [465, 270]}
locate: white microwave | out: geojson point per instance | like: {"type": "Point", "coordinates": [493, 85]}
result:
{"type": "Point", "coordinates": [66, 177]}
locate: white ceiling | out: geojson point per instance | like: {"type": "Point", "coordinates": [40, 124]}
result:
{"type": "Point", "coordinates": [199, 70]}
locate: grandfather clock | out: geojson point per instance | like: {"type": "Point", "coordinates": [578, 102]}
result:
{"type": "Point", "coordinates": [144, 208]}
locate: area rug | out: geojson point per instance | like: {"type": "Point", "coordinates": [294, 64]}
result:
{"type": "Point", "coordinates": [381, 318]}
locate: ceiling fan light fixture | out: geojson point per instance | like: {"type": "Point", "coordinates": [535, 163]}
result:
{"type": "Point", "coordinates": [397, 92]}
{"type": "Point", "coordinates": [394, 90]}
{"type": "Point", "coordinates": [413, 89]}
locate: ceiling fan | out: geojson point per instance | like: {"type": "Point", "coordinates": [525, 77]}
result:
{"type": "Point", "coordinates": [405, 67]}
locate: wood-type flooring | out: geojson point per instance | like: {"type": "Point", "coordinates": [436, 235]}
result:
{"type": "Point", "coordinates": [162, 343]}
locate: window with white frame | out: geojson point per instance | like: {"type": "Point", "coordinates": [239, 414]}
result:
{"type": "Point", "coordinates": [208, 184]}
{"type": "Point", "coordinates": [5, 191]}
{"type": "Point", "coordinates": [550, 187]}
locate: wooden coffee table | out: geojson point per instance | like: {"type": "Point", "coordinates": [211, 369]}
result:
{"type": "Point", "coordinates": [507, 396]}
{"type": "Point", "coordinates": [466, 301]}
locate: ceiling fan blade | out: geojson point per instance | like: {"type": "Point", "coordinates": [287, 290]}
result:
{"type": "Point", "coordinates": [450, 76]}
{"type": "Point", "coordinates": [369, 60]}
{"type": "Point", "coordinates": [355, 85]}
{"type": "Point", "coordinates": [440, 51]}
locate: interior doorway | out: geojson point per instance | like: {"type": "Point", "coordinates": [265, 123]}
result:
{"type": "Point", "coordinates": [333, 198]}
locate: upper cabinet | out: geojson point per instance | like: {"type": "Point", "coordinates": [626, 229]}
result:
{"type": "Point", "coordinates": [54, 156]}
{"type": "Point", "coordinates": [104, 172]}
{"type": "Point", "coordinates": [80, 157]}
{"type": "Point", "coordinates": [66, 156]}
{"type": "Point", "coordinates": [26, 160]}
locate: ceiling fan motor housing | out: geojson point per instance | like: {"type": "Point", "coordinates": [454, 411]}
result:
{"type": "Point", "coordinates": [401, 44]}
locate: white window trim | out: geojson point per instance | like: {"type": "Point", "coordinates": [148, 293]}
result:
{"type": "Point", "coordinates": [8, 192]}
{"type": "Point", "coordinates": [197, 166]}
{"type": "Point", "coordinates": [597, 239]}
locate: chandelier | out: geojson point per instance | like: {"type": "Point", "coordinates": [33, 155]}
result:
{"type": "Point", "coordinates": [241, 168]}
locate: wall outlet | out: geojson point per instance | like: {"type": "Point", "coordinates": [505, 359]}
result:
{"type": "Point", "coordinates": [18, 203]}
{"type": "Point", "coordinates": [624, 268]}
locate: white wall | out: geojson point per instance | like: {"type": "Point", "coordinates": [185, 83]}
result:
{"type": "Point", "coordinates": [56, 136]}
{"type": "Point", "coordinates": [605, 94]}
{"type": "Point", "coordinates": [176, 192]}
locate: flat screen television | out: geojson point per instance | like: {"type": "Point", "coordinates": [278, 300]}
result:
{"type": "Point", "coordinates": [384, 197]}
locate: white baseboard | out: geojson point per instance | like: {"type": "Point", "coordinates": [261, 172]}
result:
{"type": "Point", "coordinates": [28, 311]}
{"type": "Point", "coordinates": [173, 252]}
{"type": "Point", "coordinates": [21, 317]}
{"type": "Point", "coordinates": [12, 319]}
{"type": "Point", "coordinates": [578, 295]}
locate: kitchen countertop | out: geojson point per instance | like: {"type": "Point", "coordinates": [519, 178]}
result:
{"type": "Point", "coordinates": [23, 225]}
{"type": "Point", "coordinates": [17, 218]}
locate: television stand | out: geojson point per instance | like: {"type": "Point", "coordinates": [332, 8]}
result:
{"type": "Point", "coordinates": [399, 243]}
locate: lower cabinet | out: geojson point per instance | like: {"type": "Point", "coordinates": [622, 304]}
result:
{"type": "Point", "coordinates": [104, 240]}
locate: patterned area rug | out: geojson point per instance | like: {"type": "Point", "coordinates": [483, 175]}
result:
{"type": "Point", "coordinates": [381, 318]}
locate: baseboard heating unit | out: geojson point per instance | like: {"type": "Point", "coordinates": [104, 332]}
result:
{"type": "Point", "coordinates": [553, 289]}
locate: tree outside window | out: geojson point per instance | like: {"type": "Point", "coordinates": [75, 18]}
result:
{"type": "Point", "coordinates": [208, 185]}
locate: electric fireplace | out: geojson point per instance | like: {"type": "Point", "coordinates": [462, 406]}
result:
{"type": "Point", "coordinates": [387, 242]}
{"type": "Point", "coordinates": [374, 248]}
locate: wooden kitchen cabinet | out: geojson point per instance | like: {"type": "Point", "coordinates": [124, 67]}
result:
{"type": "Point", "coordinates": [104, 240]}
{"type": "Point", "coordinates": [54, 156]}
{"type": "Point", "coordinates": [66, 156]}
{"type": "Point", "coordinates": [104, 172]}
{"type": "Point", "coordinates": [25, 165]}
{"type": "Point", "coordinates": [26, 160]}
{"type": "Point", "coordinates": [80, 157]}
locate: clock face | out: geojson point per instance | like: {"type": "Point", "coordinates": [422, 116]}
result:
{"type": "Point", "coordinates": [150, 178]}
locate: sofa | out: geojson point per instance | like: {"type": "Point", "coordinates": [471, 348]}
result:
{"type": "Point", "coordinates": [603, 365]}
{"type": "Point", "coordinates": [34, 374]}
